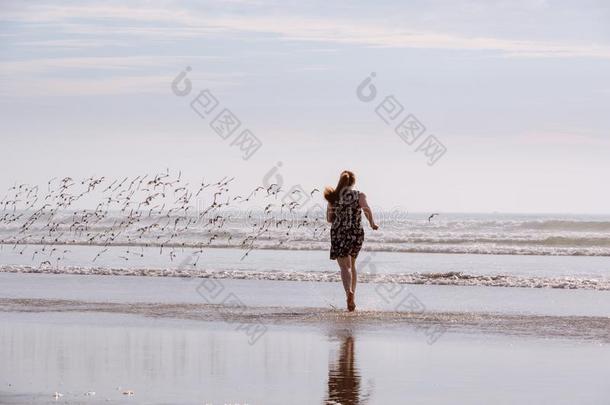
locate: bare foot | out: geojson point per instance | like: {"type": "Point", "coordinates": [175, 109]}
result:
{"type": "Point", "coordinates": [351, 305]}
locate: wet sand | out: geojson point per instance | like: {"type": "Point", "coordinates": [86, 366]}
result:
{"type": "Point", "coordinates": [254, 293]}
{"type": "Point", "coordinates": [168, 361]}
{"type": "Point", "coordinates": [163, 340]}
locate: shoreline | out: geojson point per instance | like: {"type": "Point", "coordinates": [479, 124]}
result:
{"type": "Point", "coordinates": [451, 278]}
{"type": "Point", "coordinates": [579, 328]}
{"type": "Point", "coordinates": [304, 294]}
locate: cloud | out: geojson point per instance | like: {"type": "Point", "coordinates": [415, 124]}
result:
{"type": "Point", "coordinates": [73, 44]}
{"type": "Point", "coordinates": [370, 35]}
{"type": "Point", "coordinates": [562, 138]}
{"type": "Point", "coordinates": [73, 27]}
{"type": "Point", "coordinates": [126, 75]}
{"type": "Point", "coordinates": [40, 13]}
{"type": "Point", "coordinates": [118, 63]}
{"type": "Point", "coordinates": [175, 22]}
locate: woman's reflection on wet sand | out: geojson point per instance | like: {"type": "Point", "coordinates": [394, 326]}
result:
{"type": "Point", "coordinates": [344, 380]}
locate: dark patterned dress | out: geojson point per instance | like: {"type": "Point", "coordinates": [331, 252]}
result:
{"type": "Point", "coordinates": [346, 233]}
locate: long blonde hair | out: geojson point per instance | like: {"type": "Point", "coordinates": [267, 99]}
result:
{"type": "Point", "coordinates": [347, 179]}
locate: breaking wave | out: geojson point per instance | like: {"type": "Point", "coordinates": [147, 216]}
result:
{"type": "Point", "coordinates": [447, 278]}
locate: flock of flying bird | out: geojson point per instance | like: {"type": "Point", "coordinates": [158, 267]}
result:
{"type": "Point", "coordinates": [145, 211]}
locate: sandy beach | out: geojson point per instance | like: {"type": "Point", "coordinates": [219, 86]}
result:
{"type": "Point", "coordinates": [158, 338]}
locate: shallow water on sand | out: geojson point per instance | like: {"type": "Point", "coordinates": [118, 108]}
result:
{"type": "Point", "coordinates": [265, 293]}
{"type": "Point", "coordinates": [167, 361]}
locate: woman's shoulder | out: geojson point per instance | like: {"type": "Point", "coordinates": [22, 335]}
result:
{"type": "Point", "coordinates": [362, 199]}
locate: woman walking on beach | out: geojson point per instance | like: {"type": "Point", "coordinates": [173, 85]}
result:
{"type": "Point", "coordinates": [345, 206]}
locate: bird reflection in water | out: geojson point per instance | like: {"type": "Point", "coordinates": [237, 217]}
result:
{"type": "Point", "coordinates": [344, 380]}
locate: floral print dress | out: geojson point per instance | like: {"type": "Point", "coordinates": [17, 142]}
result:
{"type": "Point", "coordinates": [346, 233]}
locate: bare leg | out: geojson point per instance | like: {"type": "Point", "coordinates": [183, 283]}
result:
{"type": "Point", "coordinates": [346, 273]}
{"type": "Point", "coordinates": [354, 277]}
{"type": "Point", "coordinates": [346, 277]}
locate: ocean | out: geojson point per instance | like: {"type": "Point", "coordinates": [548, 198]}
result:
{"type": "Point", "coordinates": [506, 250]}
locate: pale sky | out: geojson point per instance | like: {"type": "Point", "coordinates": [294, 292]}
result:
{"type": "Point", "coordinates": [517, 91]}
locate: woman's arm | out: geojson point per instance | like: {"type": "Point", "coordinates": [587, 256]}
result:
{"type": "Point", "coordinates": [330, 213]}
{"type": "Point", "coordinates": [368, 213]}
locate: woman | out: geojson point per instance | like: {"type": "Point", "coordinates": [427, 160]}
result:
{"type": "Point", "coordinates": [346, 234]}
